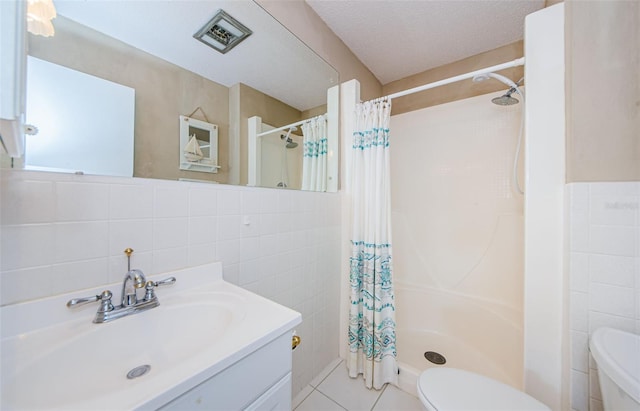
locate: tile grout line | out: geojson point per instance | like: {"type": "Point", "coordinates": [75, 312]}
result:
{"type": "Point", "coordinates": [324, 395]}
{"type": "Point", "coordinates": [331, 399]}
{"type": "Point", "coordinates": [317, 385]}
{"type": "Point", "coordinates": [379, 396]}
{"type": "Point", "coordinates": [321, 381]}
{"type": "Point", "coordinates": [305, 398]}
{"type": "Point", "coordinates": [329, 373]}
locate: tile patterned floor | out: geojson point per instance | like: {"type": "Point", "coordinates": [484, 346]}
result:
{"type": "Point", "coordinates": [333, 390]}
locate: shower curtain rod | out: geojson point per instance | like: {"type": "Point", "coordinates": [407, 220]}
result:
{"type": "Point", "coordinates": [509, 64]}
{"type": "Point", "coordinates": [275, 130]}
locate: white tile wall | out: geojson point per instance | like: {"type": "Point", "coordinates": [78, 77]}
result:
{"type": "Point", "coordinates": [61, 233]}
{"type": "Point", "coordinates": [604, 270]}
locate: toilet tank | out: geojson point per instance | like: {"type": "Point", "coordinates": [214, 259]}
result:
{"type": "Point", "coordinates": [617, 354]}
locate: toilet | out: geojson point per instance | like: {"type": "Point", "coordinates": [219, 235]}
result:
{"type": "Point", "coordinates": [617, 354]}
{"type": "Point", "coordinates": [448, 389]}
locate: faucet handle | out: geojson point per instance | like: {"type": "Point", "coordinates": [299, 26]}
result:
{"type": "Point", "coordinates": [82, 301]}
{"type": "Point", "coordinates": [166, 281]}
{"type": "Point", "coordinates": [104, 298]}
{"type": "Point", "coordinates": [150, 294]}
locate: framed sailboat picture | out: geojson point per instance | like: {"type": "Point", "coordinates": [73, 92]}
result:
{"type": "Point", "coordinates": [198, 145]}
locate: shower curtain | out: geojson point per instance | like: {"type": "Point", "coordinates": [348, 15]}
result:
{"type": "Point", "coordinates": [372, 336]}
{"type": "Point", "coordinates": [314, 160]}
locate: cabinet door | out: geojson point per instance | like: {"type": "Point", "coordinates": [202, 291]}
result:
{"type": "Point", "coordinates": [278, 398]}
{"type": "Point", "coordinates": [238, 386]}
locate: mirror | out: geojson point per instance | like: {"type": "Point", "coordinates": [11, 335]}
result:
{"type": "Point", "coordinates": [149, 47]}
{"type": "Point", "coordinates": [92, 132]}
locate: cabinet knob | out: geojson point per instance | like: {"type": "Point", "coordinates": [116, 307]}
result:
{"type": "Point", "coordinates": [295, 341]}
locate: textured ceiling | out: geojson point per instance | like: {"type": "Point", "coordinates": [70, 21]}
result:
{"type": "Point", "coordinates": [398, 38]}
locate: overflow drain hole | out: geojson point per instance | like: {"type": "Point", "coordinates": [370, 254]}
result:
{"type": "Point", "coordinates": [435, 357]}
{"type": "Point", "coordinates": [138, 371]}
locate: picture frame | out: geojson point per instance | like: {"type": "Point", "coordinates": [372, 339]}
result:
{"type": "Point", "coordinates": [198, 145]}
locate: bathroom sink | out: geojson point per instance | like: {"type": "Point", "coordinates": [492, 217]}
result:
{"type": "Point", "coordinates": [88, 368]}
{"type": "Point", "coordinates": [195, 332]}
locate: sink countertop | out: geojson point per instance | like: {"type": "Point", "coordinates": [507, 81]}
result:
{"type": "Point", "coordinates": [206, 324]}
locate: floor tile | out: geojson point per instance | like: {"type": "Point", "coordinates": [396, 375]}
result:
{"type": "Point", "coordinates": [394, 399]}
{"type": "Point", "coordinates": [318, 402]}
{"type": "Point", "coordinates": [325, 373]}
{"type": "Point", "coordinates": [348, 392]}
{"type": "Point", "coordinates": [301, 396]}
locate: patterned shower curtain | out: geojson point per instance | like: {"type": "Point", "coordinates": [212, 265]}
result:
{"type": "Point", "coordinates": [372, 335]}
{"type": "Point", "coordinates": [314, 160]}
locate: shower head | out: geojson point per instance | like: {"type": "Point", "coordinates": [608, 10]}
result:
{"type": "Point", "coordinates": [506, 99]}
{"type": "Point", "coordinates": [291, 143]}
{"type": "Point", "coordinates": [287, 138]}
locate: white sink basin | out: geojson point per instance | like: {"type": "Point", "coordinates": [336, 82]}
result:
{"type": "Point", "coordinates": [199, 329]}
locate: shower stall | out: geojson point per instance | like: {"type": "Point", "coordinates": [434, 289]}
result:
{"type": "Point", "coordinates": [477, 279]}
{"type": "Point", "coordinates": [458, 238]}
{"type": "Point", "coordinates": [458, 232]}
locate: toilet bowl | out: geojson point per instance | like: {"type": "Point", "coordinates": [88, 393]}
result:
{"type": "Point", "coordinates": [448, 389]}
{"type": "Point", "coordinates": [617, 354]}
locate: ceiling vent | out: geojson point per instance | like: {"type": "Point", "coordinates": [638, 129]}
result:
{"type": "Point", "coordinates": [222, 32]}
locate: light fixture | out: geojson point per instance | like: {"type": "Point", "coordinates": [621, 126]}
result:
{"type": "Point", "coordinates": [39, 16]}
{"type": "Point", "coordinates": [222, 32]}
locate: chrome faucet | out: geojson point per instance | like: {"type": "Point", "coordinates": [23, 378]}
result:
{"type": "Point", "coordinates": [133, 280]}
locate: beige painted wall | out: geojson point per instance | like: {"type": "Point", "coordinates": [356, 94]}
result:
{"type": "Point", "coordinates": [163, 93]}
{"type": "Point", "coordinates": [459, 90]}
{"type": "Point", "coordinates": [251, 102]}
{"type": "Point", "coordinates": [316, 111]}
{"type": "Point", "coordinates": [603, 90]}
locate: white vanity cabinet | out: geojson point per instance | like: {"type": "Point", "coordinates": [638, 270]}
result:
{"type": "Point", "coordinates": [259, 381]}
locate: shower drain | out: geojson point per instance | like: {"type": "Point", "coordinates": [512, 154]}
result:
{"type": "Point", "coordinates": [435, 357]}
{"type": "Point", "coordinates": [138, 371]}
